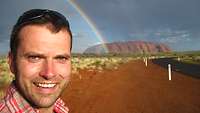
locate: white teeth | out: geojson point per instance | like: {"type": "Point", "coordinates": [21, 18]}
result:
{"type": "Point", "coordinates": [45, 85]}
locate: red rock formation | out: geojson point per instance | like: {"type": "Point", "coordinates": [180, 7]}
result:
{"type": "Point", "coordinates": [129, 47]}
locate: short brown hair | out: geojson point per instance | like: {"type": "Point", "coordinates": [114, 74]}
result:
{"type": "Point", "coordinates": [54, 21]}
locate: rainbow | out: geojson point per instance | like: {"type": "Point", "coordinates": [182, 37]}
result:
{"type": "Point", "coordinates": [90, 23]}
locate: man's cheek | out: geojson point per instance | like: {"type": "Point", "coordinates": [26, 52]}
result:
{"type": "Point", "coordinates": [29, 70]}
{"type": "Point", "coordinates": [64, 71]}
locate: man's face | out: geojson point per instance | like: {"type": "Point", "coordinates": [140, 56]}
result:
{"type": "Point", "coordinates": [43, 64]}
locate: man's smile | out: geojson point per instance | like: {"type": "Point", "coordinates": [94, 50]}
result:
{"type": "Point", "coordinates": [45, 85]}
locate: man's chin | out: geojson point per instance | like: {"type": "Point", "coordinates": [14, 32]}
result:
{"type": "Point", "coordinates": [45, 102]}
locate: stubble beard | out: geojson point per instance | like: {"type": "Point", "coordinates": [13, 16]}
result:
{"type": "Point", "coordinates": [37, 100]}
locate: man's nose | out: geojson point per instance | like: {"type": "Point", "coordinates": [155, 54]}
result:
{"type": "Point", "coordinates": [48, 70]}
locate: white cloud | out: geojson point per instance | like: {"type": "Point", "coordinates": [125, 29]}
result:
{"type": "Point", "coordinates": [176, 39]}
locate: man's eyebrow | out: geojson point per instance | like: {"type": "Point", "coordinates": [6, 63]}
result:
{"type": "Point", "coordinates": [63, 55]}
{"type": "Point", "coordinates": [42, 55]}
{"type": "Point", "coordinates": [33, 54]}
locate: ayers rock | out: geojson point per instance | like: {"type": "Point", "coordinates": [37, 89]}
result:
{"type": "Point", "coordinates": [128, 47]}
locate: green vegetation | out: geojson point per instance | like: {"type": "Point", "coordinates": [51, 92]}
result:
{"type": "Point", "coordinates": [191, 57]}
{"type": "Point", "coordinates": [5, 75]}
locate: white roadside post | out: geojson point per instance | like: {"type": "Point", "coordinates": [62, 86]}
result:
{"type": "Point", "coordinates": [146, 62]}
{"type": "Point", "coordinates": [169, 71]}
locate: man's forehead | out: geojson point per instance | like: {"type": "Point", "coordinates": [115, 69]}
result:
{"type": "Point", "coordinates": [30, 30]}
{"type": "Point", "coordinates": [42, 39]}
{"type": "Point", "coordinates": [48, 26]}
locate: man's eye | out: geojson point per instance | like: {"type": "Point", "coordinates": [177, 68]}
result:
{"type": "Point", "coordinates": [62, 59]}
{"type": "Point", "coordinates": [34, 58]}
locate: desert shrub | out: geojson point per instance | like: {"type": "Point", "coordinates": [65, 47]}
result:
{"type": "Point", "coordinates": [5, 74]}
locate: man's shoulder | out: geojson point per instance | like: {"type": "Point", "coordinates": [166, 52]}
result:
{"type": "Point", "coordinates": [2, 104]}
{"type": "Point", "coordinates": [3, 107]}
{"type": "Point", "coordinates": [5, 101]}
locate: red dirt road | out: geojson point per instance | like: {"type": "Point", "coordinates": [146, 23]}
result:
{"type": "Point", "coordinates": [133, 88]}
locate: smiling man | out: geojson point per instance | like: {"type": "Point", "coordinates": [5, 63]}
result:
{"type": "Point", "coordinates": [39, 57]}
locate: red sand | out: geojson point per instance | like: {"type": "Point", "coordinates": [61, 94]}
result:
{"type": "Point", "coordinates": [133, 88]}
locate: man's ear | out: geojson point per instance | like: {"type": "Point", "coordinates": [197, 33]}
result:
{"type": "Point", "coordinates": [11, 62]}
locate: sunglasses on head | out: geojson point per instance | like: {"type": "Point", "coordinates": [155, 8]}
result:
{"type": "Point", "coordinates": [36, 14]}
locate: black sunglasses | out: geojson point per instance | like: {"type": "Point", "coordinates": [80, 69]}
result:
{"type": "Point", "coordinates": [35, 14]}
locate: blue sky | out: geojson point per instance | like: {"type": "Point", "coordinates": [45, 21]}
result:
{"type": "Point", "coordinates": [173, 22]}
